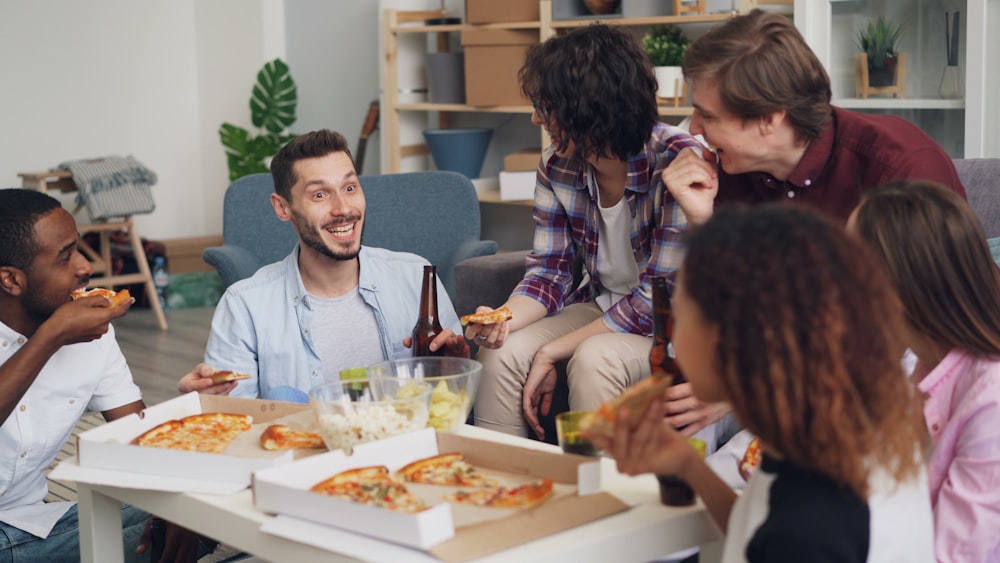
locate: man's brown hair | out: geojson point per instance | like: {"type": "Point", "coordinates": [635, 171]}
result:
{"type": "Point", "coordinates": [313, 144]}
{"type": "Point", "coordinates": [762, 65]}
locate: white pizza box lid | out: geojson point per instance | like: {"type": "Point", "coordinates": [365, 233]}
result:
{"type": "Point", "coordinates": [449, 532]}
{"type": "Point", "coordinates": [105, 452]}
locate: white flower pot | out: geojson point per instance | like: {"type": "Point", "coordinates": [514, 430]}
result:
{"type": "Point", "coordinates": [670, 80]}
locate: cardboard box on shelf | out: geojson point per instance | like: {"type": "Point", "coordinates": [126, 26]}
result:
{"type": "Point", "coordinates": [450, 533]}
{"type": "Point", "coordinates": [492, 11]}
{"type": "Point", "coordinates": [517, 185]}
{"type": "Point", "coordinates": [523, 160]}
{"type": "Point", "coordinates": [109, 446]}
{"type": "Point", "coordinates": [492, 59]}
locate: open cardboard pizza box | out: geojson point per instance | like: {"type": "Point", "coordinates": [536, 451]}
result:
{"type": "Point", "coordinates": [450, 532]}
{"type": "Point", "coordinates": [108, 447]}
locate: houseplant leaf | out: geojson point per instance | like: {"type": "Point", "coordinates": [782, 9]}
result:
{"type": "Point", "coordinates": [274, 99]}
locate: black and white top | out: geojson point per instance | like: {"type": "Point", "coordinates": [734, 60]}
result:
{"type": "Point", "coordinates": [787, 514]}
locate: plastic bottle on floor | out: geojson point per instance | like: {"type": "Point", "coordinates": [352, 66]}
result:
{"type": "Point", "coordinates": [161, 279]}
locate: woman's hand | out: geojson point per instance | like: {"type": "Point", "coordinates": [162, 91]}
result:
{"type": "Point", "coordinates": [653, 446]}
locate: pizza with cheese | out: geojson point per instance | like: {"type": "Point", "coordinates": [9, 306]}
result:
{"type": "Point", "coordinates": [281, 437]}
{"type": "Point", "coordinates": [445, 469]}
{"type": "Point", "coordinates": [116, 297]}
{"type": "Point", "coordinates": [489, 318]}
{"type": "Point", "coordinates": [373, 486]}
{"type": "Point", "coordinates": [206, 432]}
{"type": "Point", "coordinates": [751, 459]}
{"type": "Point", "coordinates": [524, 496]}
{"type": "Point", "coordinates": [224, 376]}
{"type": "Point", "coordinates": [636, 399]}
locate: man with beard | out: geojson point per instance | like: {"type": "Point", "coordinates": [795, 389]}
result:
{"type": "Point", "coordinates": [58, 358]}
{"type": "Point", "coordinates": [331, 304]}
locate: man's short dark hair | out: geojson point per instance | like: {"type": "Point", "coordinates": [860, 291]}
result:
{"type": "Point", "coordinates": [309, 145]}
{"type": "Point", "coordinates": [20, 209]}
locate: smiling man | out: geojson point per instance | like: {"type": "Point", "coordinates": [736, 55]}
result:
{"type": "Point", "coordinates": [332, 304]}
{"type": "Point", "coordinates": [762, 102]}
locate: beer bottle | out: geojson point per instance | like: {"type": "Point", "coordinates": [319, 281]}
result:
{"type": "Point", "coordinates": [428, 325]}
{"type": "Point", "coordinates": [673, 491]}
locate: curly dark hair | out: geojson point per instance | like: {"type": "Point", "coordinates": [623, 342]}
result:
{"type": "Point", "coordinates": [935, 250]}
{"type": "Point", "coordinates": [19, 211]}
{"type": "Point", "coordinates": [313, 144]}
{"type": "Point", "coordinates": [597, 85]}
{"type": "Point", "coordinates": [810, 341]}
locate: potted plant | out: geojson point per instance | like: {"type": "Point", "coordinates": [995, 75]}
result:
{"type": "Point", "coordinates": [665, 45]}
{"type": "Point", "coordinates": [272, 109]}
{"type": "Point", "coordinates": [878, 41]}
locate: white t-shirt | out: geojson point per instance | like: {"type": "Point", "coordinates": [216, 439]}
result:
{"type": "Point", "coordinates": [79, 377]}
{"type": "Point", "coordinates": [616, 267]}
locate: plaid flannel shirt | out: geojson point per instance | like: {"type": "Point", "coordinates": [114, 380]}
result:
{"type": "Point", "coordinates": [567, 219]}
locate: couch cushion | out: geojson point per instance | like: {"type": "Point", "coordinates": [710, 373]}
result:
{"type": "Point", "coordinates": [981, 178]}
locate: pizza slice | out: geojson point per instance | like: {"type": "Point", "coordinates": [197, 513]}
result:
{"type": "Point", "coordinates": [205, 432]}
{"type": "Point", "coordinates": [751, 459]}
{"type": "Point", "coordinates": [524, 496]}
{"type": "Point", "coordinates": [224, 376]}
{"type": "Point", "coordinates": [445, 469]}
{"type": "Point", "coordinates": [488, 318]}
{"type": "Point", "coordinates": [636, 399]}
{"type": "Point", "coordinates": [116, 297]}
{"type": "Point", "coordinates": [281, 437]}
{"type": "Point", "coordinates": [372, 486]}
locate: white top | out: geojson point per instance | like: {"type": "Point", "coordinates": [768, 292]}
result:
{"type": "Point", "coordinates": [616, 267]}
{"type": "Point", "coordinates": [87, 376]}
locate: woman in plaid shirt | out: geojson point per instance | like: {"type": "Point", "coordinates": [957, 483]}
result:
{"type": "Point", "coordinates": [599, 199]}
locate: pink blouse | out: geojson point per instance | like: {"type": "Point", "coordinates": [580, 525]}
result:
{"type": "Point", "coordinates": [962, 412]}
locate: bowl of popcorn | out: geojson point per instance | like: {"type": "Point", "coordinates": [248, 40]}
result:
{"type": "Point", "coordinates": [454, 382]}
{"type": "Point", "coordinates": [356, 411]}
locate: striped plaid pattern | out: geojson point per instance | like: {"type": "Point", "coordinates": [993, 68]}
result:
{"type": "Point", "coordinates": [112, 186]}
{"type": "Point", "coordinates": [567, 219]}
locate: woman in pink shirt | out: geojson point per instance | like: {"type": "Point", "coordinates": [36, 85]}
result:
{"type": "Point", "coordinates": [934, 249]}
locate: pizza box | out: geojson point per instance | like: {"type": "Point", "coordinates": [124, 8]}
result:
{"type": "Point", "coordinates": [446, 531]}
{"type": "Point", "coordinates": [108, 447]}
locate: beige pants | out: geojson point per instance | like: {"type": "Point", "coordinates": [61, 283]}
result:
{"type": "Point", "coordinates": [601, 368]}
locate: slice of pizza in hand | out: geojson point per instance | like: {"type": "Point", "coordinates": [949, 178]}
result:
{"type": "Point", "coordinates": [224, 376]}
{"type": "Point", "coordinates": [489, 318]}
{"type": "Point", "coordinates": [445, 469]}
{"type": "Point", "coordinates": [524, 496]}
{"type": "Point", "coordinates": [281, 437]}
{"type": "Point", "coordinates": [636, 399]}
{"type": "Point", "coordinates": [116, 297]}
{"type": "Point", "coordinates": [205, 432]}
{"type": "Point", "coordinates": [372, 486]}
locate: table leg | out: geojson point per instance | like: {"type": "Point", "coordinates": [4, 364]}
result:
{"type": "Point", "coordinates": [100, 527]}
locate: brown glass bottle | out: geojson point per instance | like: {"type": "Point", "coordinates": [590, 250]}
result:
{"type": "Point", "coordinates": [428, 326]}
{"type": "Point", "coordinates": [673, 491]}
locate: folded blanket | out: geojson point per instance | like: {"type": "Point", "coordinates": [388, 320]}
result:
{"type": "Point", "coordinates": [112, 186]}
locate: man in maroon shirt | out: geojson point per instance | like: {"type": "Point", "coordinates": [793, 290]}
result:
{"type": "Point", "coordinates": [762, 102]}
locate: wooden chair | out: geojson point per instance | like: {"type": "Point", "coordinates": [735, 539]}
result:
{"type": "Point", "coordinates": [100, 257]}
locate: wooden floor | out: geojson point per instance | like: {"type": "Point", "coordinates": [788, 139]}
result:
{"type": "Point", "coordinates": [157, 358]}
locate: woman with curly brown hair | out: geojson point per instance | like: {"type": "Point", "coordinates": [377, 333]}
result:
{"type": "Point", "coordinates": [781, 313]}
{"type": "Point", "coordinates": [599, 199]}
{"type": "Point", "coordinates": [935, 251]}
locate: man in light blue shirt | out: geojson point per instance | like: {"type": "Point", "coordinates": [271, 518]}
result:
{"type": "Point", "coordinates": [331, 304]}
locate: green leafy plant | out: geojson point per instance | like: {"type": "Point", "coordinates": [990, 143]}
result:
{"type": "Point", "coordinates": [878, 39]}
{"type": "Point", "coordinates": [665, 45]}
{"type": "Point", "coordinates": [272, 111]}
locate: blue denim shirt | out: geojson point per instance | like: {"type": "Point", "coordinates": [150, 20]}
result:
{"type": "Point", "coordinates": [262, 325]}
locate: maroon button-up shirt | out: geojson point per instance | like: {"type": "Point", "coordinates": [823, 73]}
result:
{"type": "Point", "coordinates": [855, 153]}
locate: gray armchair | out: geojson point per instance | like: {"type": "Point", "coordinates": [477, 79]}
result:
{"type": "Point", "coordinates": [431, 214]}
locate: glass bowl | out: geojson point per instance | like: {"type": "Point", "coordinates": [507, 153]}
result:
{"type": "Point", "coordinates": [356, 411]}
{"type": "Point", "coordinates": [454, 381]}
